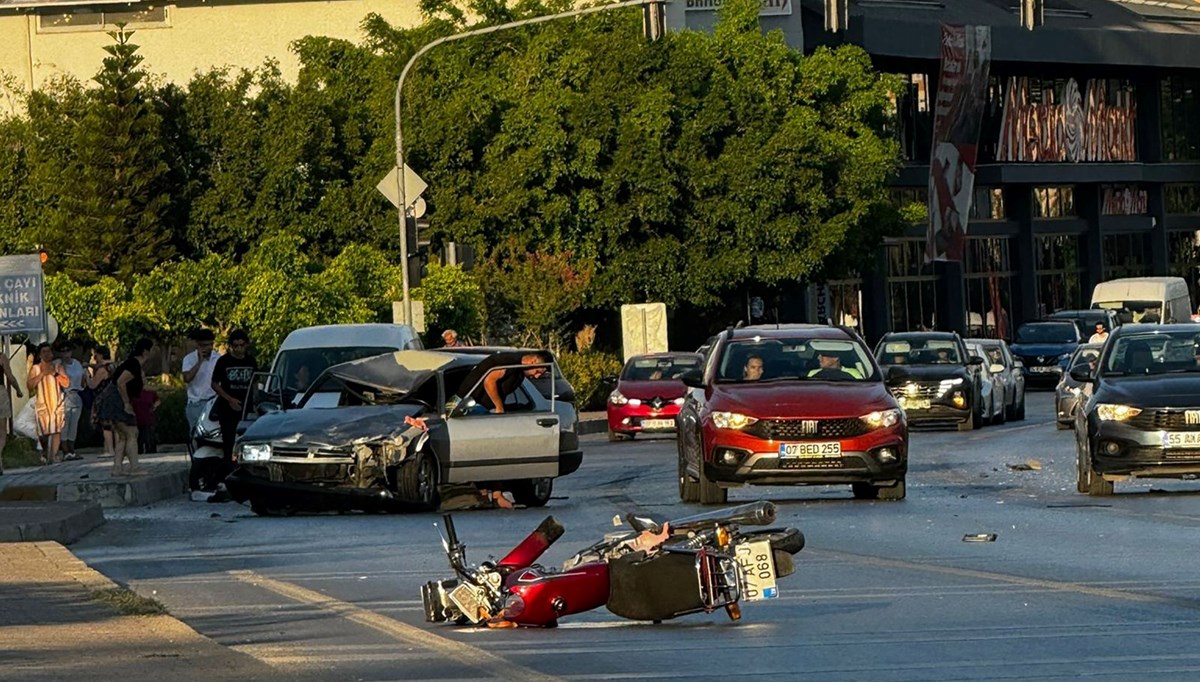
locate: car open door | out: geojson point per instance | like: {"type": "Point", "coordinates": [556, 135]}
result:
{"type": "Point", "coordinates": [521, 443]}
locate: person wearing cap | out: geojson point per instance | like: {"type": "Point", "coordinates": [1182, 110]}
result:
{"type": "Point", "coordinates": [450, 339]}
{"type": "Point", "coordinates": [831, 368]}
{"type": "Point", "coordinates": [198, 375]}
{"type": "Point", "coordinates": [1101, 334]}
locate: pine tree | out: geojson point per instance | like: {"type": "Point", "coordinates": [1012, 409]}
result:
{"type": "Point", "coordinates": [110, 220]}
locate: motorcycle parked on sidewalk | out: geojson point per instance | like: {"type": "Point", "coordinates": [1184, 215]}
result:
{"type": "Point", "coordinates": [655, 572]}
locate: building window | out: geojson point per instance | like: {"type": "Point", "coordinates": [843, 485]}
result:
{"type": "Point", "coordinates": [1125, 255]}
{"type": "Point", "coordinates": [150, 16]}
{"type": "Point", "coordinates": [915, 117]}
{"type": "Point", "coordinates": [845, 303]}
{"type": "Point", "coordinates": [1054, 202]}
{"type": "Point", "coordinates": [1183, 258]}
{"type": "Point", "coordinates": [988, 274]}
{"type": "Point", "coordinates": [1181, 118]}
{"type": "Point", "coordinates": [911, 286]}
{"type": "Point", "coordinates": [1124, 200]}
{"type": "Point", "coordinates": [988, 204]}
{"type": "Point", "coordinates": [1183, 199]}
{"type": "Point", "coordinates": [1058, 270]}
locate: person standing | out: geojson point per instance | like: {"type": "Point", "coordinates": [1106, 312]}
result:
{"type": "Point", "coordinates": [48, 379]}
{"type": "Point", "coordinates": [72, 397]}
{"type": "Point", "coordinates": [231, 380]}
{"type": "Point", "coordinates": [6, 411]}
{"type": "Point", "coordinates": [129, 383]}
{"type": "Point", "coordinates": [144, 407]}
{"type": "Point", "coordinates": [102, 369]}
{"type": "Point", "coordinates": [198, 375]}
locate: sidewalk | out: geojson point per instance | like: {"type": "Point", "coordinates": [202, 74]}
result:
{"type": "Point", "coordinates": [62, 502]}
{"type": "Point", "coordinates": [53, 628]}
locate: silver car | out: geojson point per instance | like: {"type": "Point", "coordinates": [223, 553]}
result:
{"type": "Point", "coordinates": [1007, 369]}
{"type": "Point", "coordinates": [992, 387]}
{"type": "Point", "coordinates": [1069, 390]}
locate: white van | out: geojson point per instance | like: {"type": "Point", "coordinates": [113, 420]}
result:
{"type": "Point", "coordinates": [1145, 299]}
{"type": "Point", "coordinates": [308, 351]}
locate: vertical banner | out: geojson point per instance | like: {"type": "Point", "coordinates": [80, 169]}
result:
{"type": "Point", "coordinates": [958, 114]}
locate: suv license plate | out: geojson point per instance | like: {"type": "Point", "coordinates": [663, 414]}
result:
{"type": "Point", "coordinates": [814, 450]}
{"type": "Point", "coordinates": [914, 403]}
{"type": "Point", "coordinates": [758, 565]}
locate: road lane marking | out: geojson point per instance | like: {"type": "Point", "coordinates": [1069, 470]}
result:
{"type": "Point", "coordinates": [1039, 583]}
{"type": "Point", "coordinates": [458, 652]}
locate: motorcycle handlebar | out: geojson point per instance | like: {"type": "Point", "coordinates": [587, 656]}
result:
{"type": "Point", "coordinates": [752, 514]}
{"type": "Point", "coordinates": [451, 536]}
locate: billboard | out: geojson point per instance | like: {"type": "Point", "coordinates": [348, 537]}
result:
{"type": "Point", "coordinates": [958, 114]}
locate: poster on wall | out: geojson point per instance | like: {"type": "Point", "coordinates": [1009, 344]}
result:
{"type": "Point", "coordinates": [958, 115]}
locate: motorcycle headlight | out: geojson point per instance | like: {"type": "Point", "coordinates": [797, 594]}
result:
{"type": "Point", "coordinates": [1116, 413]}
{"type": "Point", "coordinates": [616, 398]}
{"type": "Point", "coordinates": [881, 419]}
{"type": "Point", "coordinates": [732, 420]}
{"type": "Point", "coordinates": [255, 452]}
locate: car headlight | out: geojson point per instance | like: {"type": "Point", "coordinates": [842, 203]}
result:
{"type": "Point", "coordinates": [1116, 413]}
{"type": "Point", "coordinates": [732, 420]}
{"type": "Point", "coordinates": [679, 401]}
{"type": "Point", "coordinates": [256, 452]}
{"type": "Point", "coordinates": [616, 398]}
{"type": "Point", "coordinates": [881, 419]}
{"type": "Point", "coordinates": [946, 384]}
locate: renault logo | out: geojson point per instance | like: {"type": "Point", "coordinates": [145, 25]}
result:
{"type": "Point", "coordinates": [808, 427]}
{"type": "Point", "coordinates": [657, 403]}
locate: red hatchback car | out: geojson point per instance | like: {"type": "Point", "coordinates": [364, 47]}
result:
{"type": "Point", "coordinates": [648, 394]}
{"type": "Point", "coordinates": [794, 404]}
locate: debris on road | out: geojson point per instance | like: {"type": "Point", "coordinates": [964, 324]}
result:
{"type": "Point", "coordinates": [979, 537]}
{"type": "Point", "coordinates": [1027, 465]}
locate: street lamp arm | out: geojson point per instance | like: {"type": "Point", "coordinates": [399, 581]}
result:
{"type": "Point", "coordinates": [408, 319]}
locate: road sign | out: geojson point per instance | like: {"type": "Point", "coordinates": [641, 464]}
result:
{"type": "Point", "coordinates": [22, 295]}
{"type": "Point", "coordinates": [413, 187]}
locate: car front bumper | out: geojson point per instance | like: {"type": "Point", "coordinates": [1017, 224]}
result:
{"type": "Point", "coordinates": [1138, 452]}
{"type": "Point", "coordinates": [630, 419]}
{"type": "Point", "coordinates": [758, 461]}
{"type": "Point", "coordinates": [1065, 405]}
{"type": "Point", "coordinates": [1048, 378]}
{"type": "Point", "coordinates": [252, 483]}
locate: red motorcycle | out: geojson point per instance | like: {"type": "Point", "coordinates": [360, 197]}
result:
{"type": "Point", "coordinates": [656, 571]}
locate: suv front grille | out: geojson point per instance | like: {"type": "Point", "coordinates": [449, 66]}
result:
{"type": "Point", "coordinates": [1163, 420]}
{"type": "Point", "coordinates": [801, 429]}
{"type": "Point", "coordinates": [922, 390]}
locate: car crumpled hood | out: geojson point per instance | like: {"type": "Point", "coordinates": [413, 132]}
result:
{"type": "Point", "coordinates": [1155, 390]}
{"type": "Point", "coordinates": [796, 400]}
{"type": "Point", "coordinates": [334, 427]}
{"type": "Point", "coordinates": [647, 390]}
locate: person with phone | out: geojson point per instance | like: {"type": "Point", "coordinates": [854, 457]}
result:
{"type": "Point", "coordinates": [198, 376]}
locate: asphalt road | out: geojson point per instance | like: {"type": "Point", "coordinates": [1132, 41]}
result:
{"type": "Point", "coordinates": [1071, 587]}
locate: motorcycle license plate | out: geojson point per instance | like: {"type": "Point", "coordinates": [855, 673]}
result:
{"type": "Point", "coordinates": [758, 565]}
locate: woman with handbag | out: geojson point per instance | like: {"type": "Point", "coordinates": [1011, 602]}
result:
{"type": "Point", "coordinates": [48, 379]}
{"type": "Point", "coordinates": [101, 378]}
{"type": "Point", "coordinates": [6, 411]}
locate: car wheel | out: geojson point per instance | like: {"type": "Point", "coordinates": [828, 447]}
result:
{"type": "Point", "coordinates": [417, 482]}
{"type": "Point", "coordinates": [1096, 485]}
{"type": "Point", "coordinates": [1021, 409]}
{"type": "Point", "coordinates": [864, 491]}
{"type": "Point", "coordinates": [710, 492]}
{"type": "Point", "coordinates": [895, 492]}
{"type": "Point", "coordinates": [615, 437]}
{"type": "Point", "coordinates": [533, 493]}
{"type": "Point", "coordinates": [689, 488]}
{"type": "Point", "coordinates": [968, 425]}
{"type": "Point", "coordinates": [1081, 470]}
{"type": "Point", "coordinates": [1001, 414]}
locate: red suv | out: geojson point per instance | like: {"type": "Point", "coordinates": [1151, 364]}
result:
{"type": "Point", "coordinates": [792, 404]}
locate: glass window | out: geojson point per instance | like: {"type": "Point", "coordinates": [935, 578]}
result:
{"type": "Point", "coordinates": [1057, 268]}
{"type": "Point", "coordinates": [988, 276]}
{"type": "Point", "coordinates": [659, 368]}
{"type": "Point", "coordinates": [846, 302]}
{"type": "Point", "coordinates": [85, 19]}
{"type": "Point", "coordinates": [1125, 255]}
{"type": "Point", "coordinates": [1157, 352]}
{"type": "Point", "coordinates": [794, 358]}
{"type": "Point", "coordinates": [1180, 117]}
{"type": "Point", "coordinates": [1183, 259]}
{"type": "Point", "coordinates": [919, 351]}
{"type": "Point", "coordinates": [987, 203]}
{"type": "Point", "coordinates": [1183, 199]}
{"type": "Point", "coordinates": [1054, 202]}
{"type": "Point", "coordinates": [911, 286]}
{"type": "Point", "coordinates": [916, 117]}
{"type": "Point", "coordinates": [1048, 332]}
{"type": "Point", "coordinates": [1124, 200]}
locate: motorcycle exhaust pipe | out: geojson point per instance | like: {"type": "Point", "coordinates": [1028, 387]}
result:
{"type": "Point", "coordinates": [752, 514]}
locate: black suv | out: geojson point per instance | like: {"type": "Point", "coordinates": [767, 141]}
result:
{"type": "Point", "coordinates": [933, 377]}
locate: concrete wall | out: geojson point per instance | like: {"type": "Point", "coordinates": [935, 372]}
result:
{"type": "Point", "coordinates": [196, 37]}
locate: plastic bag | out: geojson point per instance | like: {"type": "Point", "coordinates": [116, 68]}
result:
{"type": "Point", "coordinates": [25, 423]}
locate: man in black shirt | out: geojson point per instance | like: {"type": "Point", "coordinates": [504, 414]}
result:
{"type": "Point", "coordinates": [499, 383]}
{"type": "Point", "coordinates": [232, 376]}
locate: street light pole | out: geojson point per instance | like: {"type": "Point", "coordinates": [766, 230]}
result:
{"type": "Point", "coordinates": [654, 31]}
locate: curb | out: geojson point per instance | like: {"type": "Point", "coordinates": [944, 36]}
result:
{"type": "Point", "coordinates": [59, 522]}
{"type": "Point", "coordinates": [135, 492]}
{"type": "Point", "coordinates": [587, 427]}
{"type": "Point", "coordinates": [74, 567]}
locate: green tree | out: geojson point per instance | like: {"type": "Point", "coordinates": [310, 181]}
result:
{"type": "Point", "coordinates": [453, 299]}
{"type": "Point", "coordinates": [110, 220]}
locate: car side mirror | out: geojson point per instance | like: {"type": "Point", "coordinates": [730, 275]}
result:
{"type": "Point", "coordinates": [693, 378]}
{"type": "Point", "coordinates": [997, 367]}
{"type": "Point", "coordinates": [975, 360]}
{"type": "Point", "coordinates": [1081, 373]}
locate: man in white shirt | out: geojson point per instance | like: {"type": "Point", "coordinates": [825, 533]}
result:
{"type": "Point", "coordinates": [72, 397]}
{"type": "Point", "coordinates": [197, 374]}
{"type": "Point", "coordinates": [1101, 334]}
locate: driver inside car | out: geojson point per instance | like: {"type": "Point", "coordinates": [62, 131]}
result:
{"type": "Point", "coordinates": [831, 368]}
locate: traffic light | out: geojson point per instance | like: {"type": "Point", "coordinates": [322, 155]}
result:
{"type": "Point", "coordinates": [418, 265]}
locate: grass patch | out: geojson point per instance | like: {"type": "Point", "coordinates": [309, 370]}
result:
{"type": "Point", "coordinates": [128, 602]}
{"type": "Point", "coordinates": [19, 452]}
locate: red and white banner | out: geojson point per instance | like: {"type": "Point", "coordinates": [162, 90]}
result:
{"type": "Point", "coordinates": [958, 114]}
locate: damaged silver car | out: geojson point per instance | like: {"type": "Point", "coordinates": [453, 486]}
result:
{"type": "Point", "coordinates": [399, 431]}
